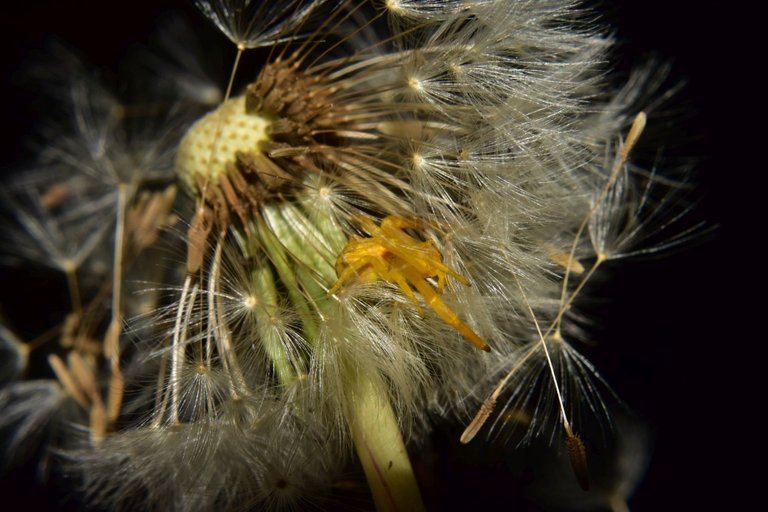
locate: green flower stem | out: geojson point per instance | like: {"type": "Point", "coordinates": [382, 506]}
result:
{"type": "Point", "coordinates": [279, 259]}
{"type": "Point", "coordinates": [303, 252]}
{"type": "Point", "coordinates": [303, 240]}
{"type": "Point", "coordinates": [264, 286]}
{"type": "Point", "coordinates": [380, 446]}
{"type": "Point", "coordinates": [327, 226]}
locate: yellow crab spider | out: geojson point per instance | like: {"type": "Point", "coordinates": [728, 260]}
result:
{"type": "Point", "coordinates": [392, 255]}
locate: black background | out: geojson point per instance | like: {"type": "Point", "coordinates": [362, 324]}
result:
{"type": "Point", "coordinates": [672, 337]}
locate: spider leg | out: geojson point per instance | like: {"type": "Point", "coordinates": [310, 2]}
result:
{"type": "Point", "coordinates": [424, 256]}
{"type": "Point", "coordinates": [440, 282]}
{"type": "Point", "coordinates": [393, 223]}
{"type": "Point", "coordinates": [393, 255]}
{"type": "Point", "coordinates": [396, 274]}
{"type": "Point", "coordinates": [344, 276]}
{"type": "Point", "coordinates": [358, 255]}
{"type": "Point", "coordinates": [444, 312]}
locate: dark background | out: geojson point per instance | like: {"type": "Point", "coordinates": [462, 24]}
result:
{"type": "Point", "coordinates": [671, 339]}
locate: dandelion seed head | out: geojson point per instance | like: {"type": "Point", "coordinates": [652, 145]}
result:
{"type": "Point", "coordinates": [392, 217]}
{"type": "Point", "coordinates": [475, 138]}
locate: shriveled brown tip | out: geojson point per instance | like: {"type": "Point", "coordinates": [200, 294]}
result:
{"type": "Point", "coordinates": [478, 421]}
{"type": "Point", "coordinates": [564, 259]}
{"type": "Point", "coordinates": [98, 423]}
{"type": "Point", "coordinates": [469, 433]}
{"type": "Point", "coordinates": [486, 348]}
{"type": "Point", "coordinates": [197, 234]}
{"type": "Point", "coordinates": [112, 338]}
{"type": "Point", "coordinates": [55, 195]}
{"type": "Point", "coordinates": [115, 394]}
{"type": "Point", "coordinates": [577, 453]}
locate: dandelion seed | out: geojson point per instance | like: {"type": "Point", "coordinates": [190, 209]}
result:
{"type": "Point", "coordinates": [31, 409]}
{"type": "Point", "coordinates": [179, 67]}
{"type": "Point", "coordinates": [14, 354]}
{"type": "Point", "coordinates": [253, 24]}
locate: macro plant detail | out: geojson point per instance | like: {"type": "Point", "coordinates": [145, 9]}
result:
{"type": "Point", "coordinates": [392, 255]}
{"type": "Point", "coordinates": [384, 224]}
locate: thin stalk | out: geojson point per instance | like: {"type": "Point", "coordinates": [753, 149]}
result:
{"type": "Point", "coordinates": [161, 394]}
{"type": "Point", "coordinates": [70, 270]}
{"type": "Point", "coordinates": [638, 125]}
{"type": "Point", "coordinates": [179, 344]}
{"type": "Point", "coordinates": [326, 224]}
{"type": "Point", "coordinates": [218, 327]}
{"type": "Point", "coordinates": [303, 240]}
{"type": "Point", "coordinates": [279, 259]}
{"type": "Point", "coordinates": [542, 339]}
{"type": "Point", "coordinates": [264, 285]}
{"type": "Point", "coordinates": [112, 339]}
